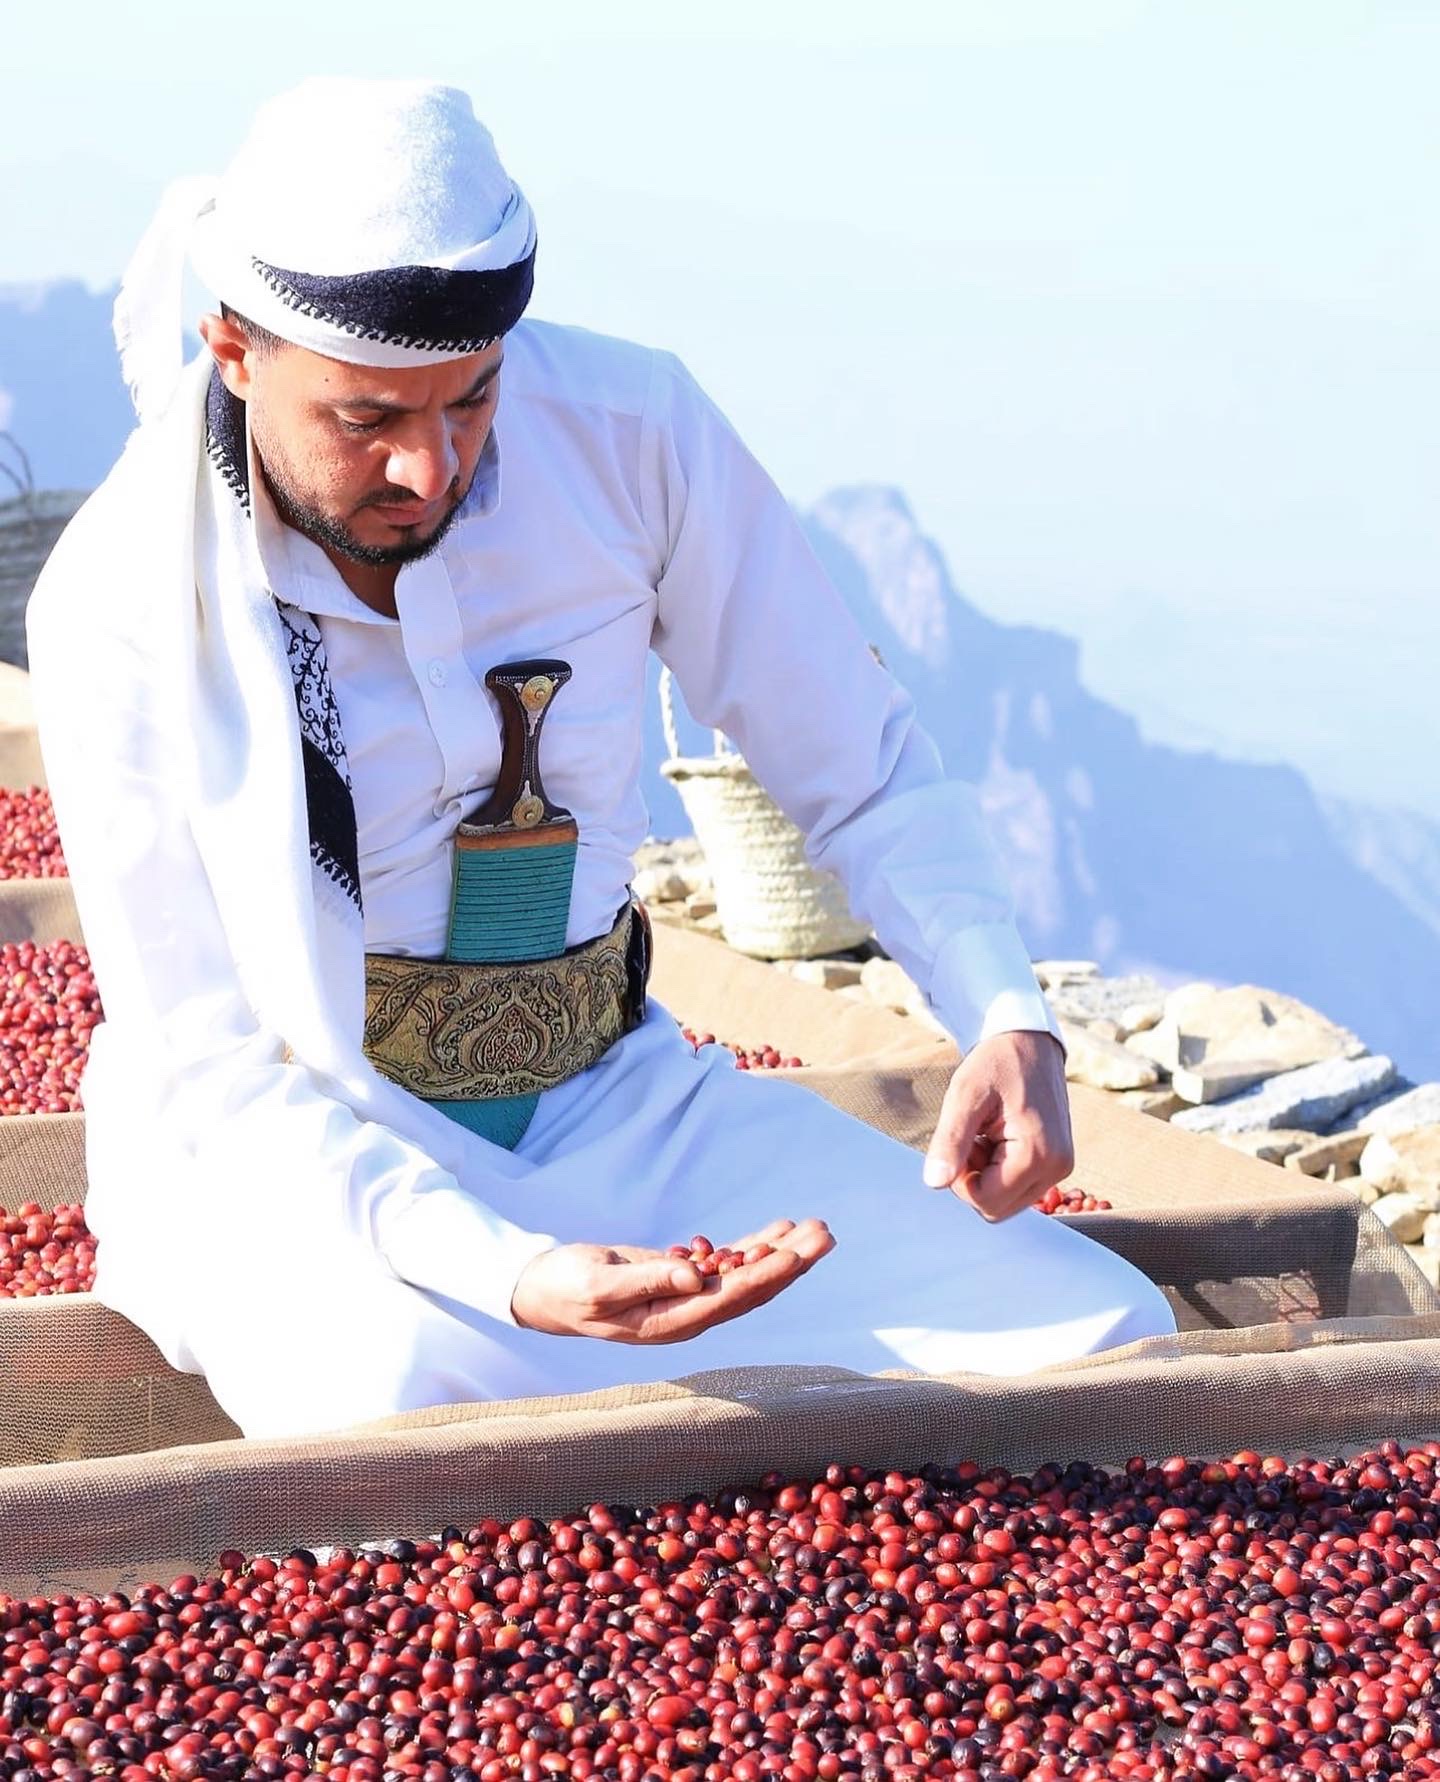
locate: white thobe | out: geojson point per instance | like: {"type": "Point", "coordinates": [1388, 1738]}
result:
{"type": "Point", "coordinates": [616, 511]}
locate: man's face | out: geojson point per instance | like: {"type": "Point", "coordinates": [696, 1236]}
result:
{"type": "Point", "coordinates": [371, 464]}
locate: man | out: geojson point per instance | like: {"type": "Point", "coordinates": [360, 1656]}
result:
{"type": "Point", "coordinates": [286, 663]}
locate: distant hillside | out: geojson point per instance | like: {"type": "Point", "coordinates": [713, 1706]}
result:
{"type": "Point", "coordinates": [1398, 847]}
{"type": "Point", "coordinates": [61, 393]}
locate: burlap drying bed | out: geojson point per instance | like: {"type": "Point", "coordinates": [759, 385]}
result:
{"type": "Point", "coordinates": [42, 1158]}
{"type": "Point", "coordinates": [1322, 1389]}
{"type": "Point", "coordinates": [39, 910]}
{"type": "Point", "coordinates": [1308, 1328]}
{"type": "Point", "coordinates": [20, 763]}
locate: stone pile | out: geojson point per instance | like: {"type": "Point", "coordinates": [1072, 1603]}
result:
{"type": "Point", "coordinates": [1250, 1067]}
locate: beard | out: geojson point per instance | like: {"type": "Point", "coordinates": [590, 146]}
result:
{"type": "Point", "coordinates": [299, 511]}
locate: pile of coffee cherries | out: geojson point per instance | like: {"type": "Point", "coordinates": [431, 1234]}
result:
{"type": "Point", "coordinates": [1239, 1618]}
{"type": "Point", "coordinates": [718, 1259]}
{"type": "Point", "coordinates": [746, 1057]}
{"type": "Point", "coordinates": [29, 840]}
{"type": "Point", "coordinates": [48, 1007]}
{"type": "Point", "coordinates": [1071, 1200]}
{"type": "Point", "coordinates": [44, 1251]}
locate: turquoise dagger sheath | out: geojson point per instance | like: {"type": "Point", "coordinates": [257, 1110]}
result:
{"type": "Point", "coordinates": [514, 865]}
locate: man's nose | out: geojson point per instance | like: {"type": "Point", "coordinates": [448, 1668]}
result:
{"type": "Point", "coordinates": [424, 461]}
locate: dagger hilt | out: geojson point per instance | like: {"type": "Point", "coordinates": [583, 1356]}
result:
{"type": "Point", "coordinates": [524, 691]}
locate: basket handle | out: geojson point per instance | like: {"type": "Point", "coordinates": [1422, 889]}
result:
{"type": "Point", "coordinates": [667, 718]}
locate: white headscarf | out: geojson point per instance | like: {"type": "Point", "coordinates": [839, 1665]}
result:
{"type": "Point", "coordinates": [368, 220]}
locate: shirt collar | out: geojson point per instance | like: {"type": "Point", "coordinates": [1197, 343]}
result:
{"type": "Point", "coordinates": [302, 575]}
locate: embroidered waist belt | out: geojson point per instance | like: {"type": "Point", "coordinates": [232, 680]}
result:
{"type": "Point", "coordinates": [506, 1014]}
{"type": "Point", "coordinates": [451, 1030]}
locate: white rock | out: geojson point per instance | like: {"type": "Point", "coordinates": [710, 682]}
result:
{"type": "Point", "coordinates": [1404, 1215]}
{"type": "Point", "coordinates": [1102, 1063]}
{"type": "Point", "coordinates": [1160, 1103]}
{"type": "Point", "coordinates": [1152, 1044]}
{"type": "Point", "coordinates": [1216, 1079]}
{"type": "Point", "coordinates": [658, 851]}
{"type": "Point", "coordinates": [1365, 1192]}
{"type": "Point", "coordinates": [653, 853]}
{"type": "Point", "coordinates": [1242, 1024]}
{"type": "Point", "coordinates": [1093, 999]}
{"type": "Point", "coordinates": [1053, 972]}
{"type": "Point", "coordinates": [658, 884]}
{"type": "Point", "coordinates": [1267, 1146]}
{"type": "Point", "coordinates": [829, 974]}
{"type": "Point", "coordinates": [1312, 1097]}
{"type": "Point", "coordinates": [1196, 994]}
{"type": "Point", "coordinates": [695, 875]}
{"type": "Point", "coordinates": [1401, 1113]}
{"type": "Point", "coordinates": [1339, 1150]}
{"type": "Point", "coordinates": [1140, 1017]}
{"type": "Point", "coordinates": [1431, 1238]}
{"type": "Point", "coordinates": [1410, 1160]}
{"type": "Point", "coordinates": [888, 983]}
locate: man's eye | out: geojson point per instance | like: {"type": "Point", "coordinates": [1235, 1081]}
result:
{"type": "Point", "coordinates": [476, 401]}
{"type": "Point", "coordinates": [362, 426]}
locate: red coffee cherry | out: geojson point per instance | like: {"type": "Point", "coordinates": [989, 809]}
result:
{"type": "Point", "coordinates": [1070, 1200]}
{"type": "Point", "coordinates": [746, 1057]}
{"type": "Point", "coordinates": [1248, 1617]}
{"type": "Point", "coordinates": [29, 839]}
{"type": "Point", "coordinates": [44, 1251]}
{"type": "Point", "coordinates": [49, 1006]}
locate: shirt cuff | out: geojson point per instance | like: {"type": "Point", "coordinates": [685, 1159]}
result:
{"type": "Point", "coordinates": [446, 1243]}
{"type": "Point", "coordinates": [983, 983]}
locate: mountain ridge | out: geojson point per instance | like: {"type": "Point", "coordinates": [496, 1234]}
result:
{"type": "Point", "coordinates": [1118, 838]}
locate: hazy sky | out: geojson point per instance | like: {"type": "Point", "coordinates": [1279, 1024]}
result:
{"type": "Point", "coordinates": [1136, 302]}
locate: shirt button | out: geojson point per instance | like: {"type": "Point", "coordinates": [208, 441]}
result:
{"type": "Point", "coordinates": [437, 674]}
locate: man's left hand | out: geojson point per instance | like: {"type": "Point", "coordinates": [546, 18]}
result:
{"type": "Point", "coordinates": [1003, 1136]}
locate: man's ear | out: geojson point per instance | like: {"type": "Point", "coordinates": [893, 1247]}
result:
{"type": "Point", "coordinates": [232, 353]}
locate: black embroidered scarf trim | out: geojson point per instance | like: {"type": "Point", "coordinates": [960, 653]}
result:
{"type": "Point", "coordinates": [429, 308]}
{"type": "Point", "coordinates": [329, 801]}
{"type": "Point", "coordinates": [225, 438]}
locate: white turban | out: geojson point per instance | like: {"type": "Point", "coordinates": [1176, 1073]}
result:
{"type": "Point", "coordinates": [368, 220]}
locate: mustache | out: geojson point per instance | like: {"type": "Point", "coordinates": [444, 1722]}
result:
{"type": "Point", "coordinates": [393, 497]}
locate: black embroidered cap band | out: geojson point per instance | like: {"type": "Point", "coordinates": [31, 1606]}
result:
{"type": "Point", "coordinates": [428, 308]}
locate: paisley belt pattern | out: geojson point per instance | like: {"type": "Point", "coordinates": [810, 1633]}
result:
{"type": "Point", "coordinates": [451, 1030]}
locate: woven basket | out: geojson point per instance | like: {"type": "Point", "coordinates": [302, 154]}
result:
{"type": "Point", "coordinates": [771, 902]}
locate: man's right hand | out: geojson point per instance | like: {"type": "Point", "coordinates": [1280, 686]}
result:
{"type": "Point", "coordinates": [626, 1295]}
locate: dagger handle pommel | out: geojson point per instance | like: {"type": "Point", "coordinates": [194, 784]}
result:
{"type": "Point", "coordinates": [524, 691]}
